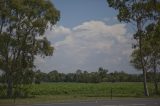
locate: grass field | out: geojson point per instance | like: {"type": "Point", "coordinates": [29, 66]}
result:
{"type": "Point", "coordinates": [123, 89]}
{"type": "Point", "coordinates": [59, 92]}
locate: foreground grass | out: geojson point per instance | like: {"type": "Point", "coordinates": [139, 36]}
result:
{"type": "Point", "coordinates": [47, 99]}
{"type": "Point", "coordinates": [62, 92]}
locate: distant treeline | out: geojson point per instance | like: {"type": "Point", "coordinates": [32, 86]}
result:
{"type": "Point", "coordinates": [80, 76]}
{"type": "Point", "coordinates": [102, 75]}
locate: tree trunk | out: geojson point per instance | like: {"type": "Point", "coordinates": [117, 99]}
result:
{"type": "Point", "coordinates": [156, 84]}
{"type": "Point", "coordinates": [9, 87]}
{"type": "Point", "coordinates": [146, 93]}
{"type": "Point", "coordinates": [155, 77]}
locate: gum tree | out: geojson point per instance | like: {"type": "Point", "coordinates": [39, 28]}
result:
{"type": "Point", "coordinates": [151, 52]}
{"type": "Point", "coordinates": [140, 13]}
{"type": "Point", "coordinates": [22, 26]}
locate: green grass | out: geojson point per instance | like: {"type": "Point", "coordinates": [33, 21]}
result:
{"type": "Point", "coordinates": [60, 92]}
{"type": "Point", "coordinates": [123, 89]}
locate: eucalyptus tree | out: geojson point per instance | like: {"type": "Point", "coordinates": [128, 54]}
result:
{"type": "Point", "coordinates": [22, 26]}
{"type": "Point", "coordinates": [151, 52]}
{"type": "Point", "coordinates": [154, 52]}
{"type": "Point", "coordinates": [140, 13]}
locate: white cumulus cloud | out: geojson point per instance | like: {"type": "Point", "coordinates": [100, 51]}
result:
{"type": "Point", "coordinates": [88, 46]}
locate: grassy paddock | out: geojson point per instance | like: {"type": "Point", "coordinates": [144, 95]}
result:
{"type": "Point", "coordinates": [122, 89]}
{"type": "Point", "coordinates": [62, 92]}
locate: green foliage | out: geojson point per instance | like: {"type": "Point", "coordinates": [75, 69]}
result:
{"type": "Point", "coordinates": [22, 23]}
{"type": "Point", "coordinates": [89, 77]}
{"type": "Point", "coordinates": [150, 48]}
{"type": "Point", "coordinates": [131, 11]}
{"type": "Point", "coordinates": [141, 13]}
{"type": "Point", "coordinates": [3, 90]}
{"type": "Point", "coordinates": [150, 52]}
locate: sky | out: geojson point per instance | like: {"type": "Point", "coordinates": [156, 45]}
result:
{"type": "Point", "coordinates": [88, 36]}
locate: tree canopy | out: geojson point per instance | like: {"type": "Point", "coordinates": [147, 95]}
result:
{"type": "Point", "coordinates": [21, 24]}
{"type": "Point", "coordinates": [142, 13]}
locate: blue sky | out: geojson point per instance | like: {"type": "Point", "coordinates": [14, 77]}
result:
{"type": "Point", "coordinates": [74, 12]}
{"type": "Point", "coordinates": [88, 36]}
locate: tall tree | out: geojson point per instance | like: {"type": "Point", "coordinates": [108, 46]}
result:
{"type": "Point", "coordinates": [151, 52]}
{"type": "Point", "coordinates": [21, 24]}
{"type": "Point", "coordinates": [139, 12]}
{"type": "Point", "coordinates": [102, 73]}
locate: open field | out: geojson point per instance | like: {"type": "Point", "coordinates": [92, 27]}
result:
{"type": "Point", "coordinates": [62, 92]}
{"type": "Point", "coordinates": [121, 89]}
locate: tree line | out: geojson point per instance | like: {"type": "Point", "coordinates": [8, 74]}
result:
{"type": "Point", "coordinates": [80, 76]}
{"type": "Point", "coordinates": [101, 75]}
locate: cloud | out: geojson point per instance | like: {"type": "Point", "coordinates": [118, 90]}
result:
{"type": "Point", "coordinates": [39, 60]}
{"type": "Point", "coordinates": [58, 33]}
{"type": "Point", "coordinates": [111, 20]}
{"type": "Point", "coordinates": [93, 37]}
{"type": "Point", "coordinates": [89, 46]}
